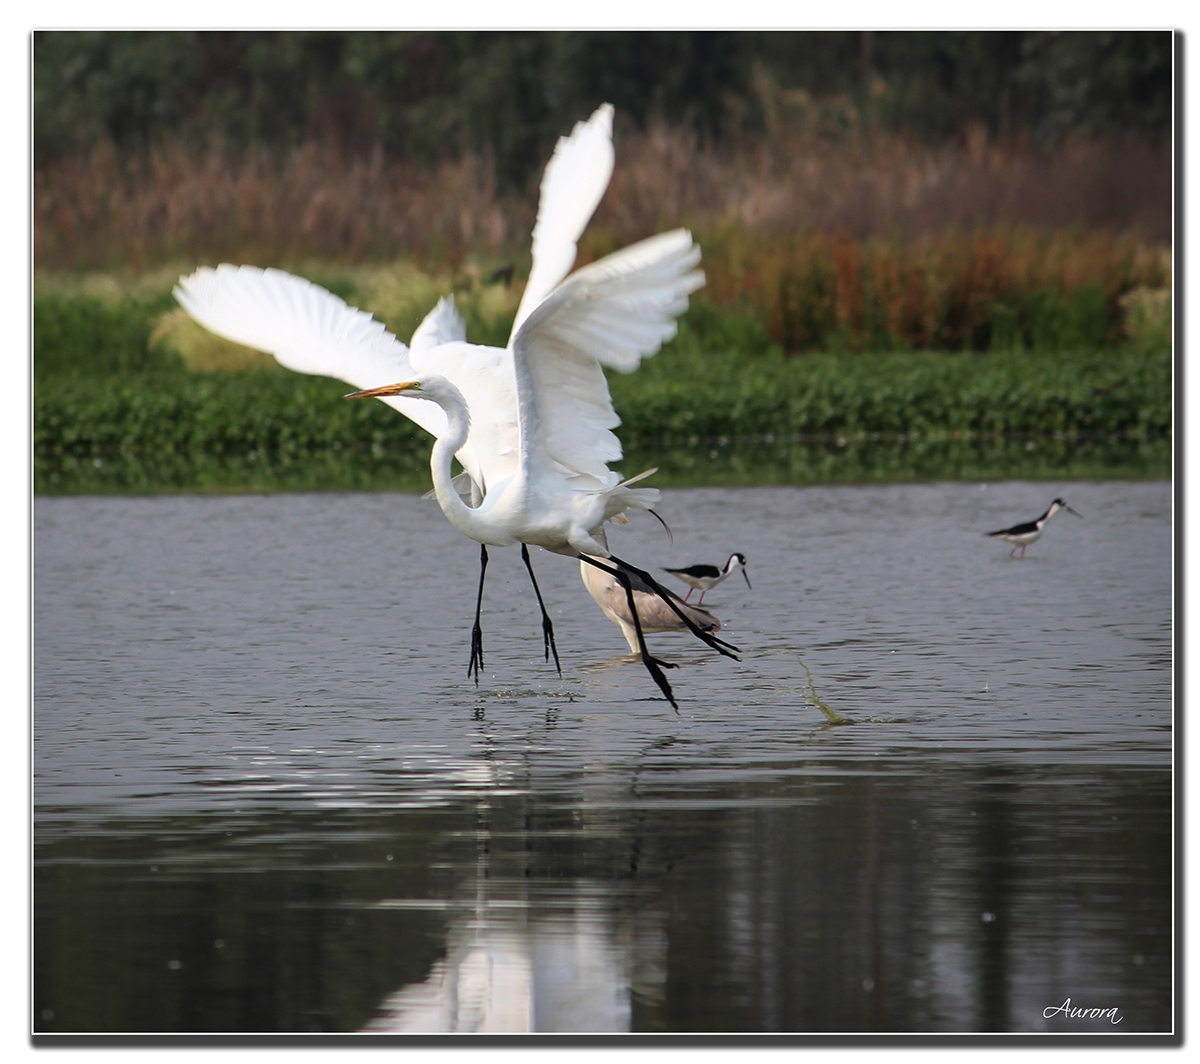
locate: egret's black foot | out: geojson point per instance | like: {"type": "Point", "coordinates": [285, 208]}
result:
{"type": "Point", "coordinates": [548, 639]}
{"type": "Point", "coordinates": [547, 627]}
{"type": "Point", "coordinates": [476, 665]}
{"type": "Point", "coordinates": [652, 666]}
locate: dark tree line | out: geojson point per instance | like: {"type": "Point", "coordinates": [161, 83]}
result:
{"type": "Point", "coordinates": [423, 95]}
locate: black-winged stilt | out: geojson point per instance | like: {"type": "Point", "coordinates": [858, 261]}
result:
{"type": "Point", "coordinates": [1030, 531]}
{"type": "Point", "coordinates": [704, 578]}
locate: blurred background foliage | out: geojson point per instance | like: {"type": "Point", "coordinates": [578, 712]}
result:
{"type": "Point", "coordinates": [427, 95]}
{"type": "Point", "coordinates": [152, 147]}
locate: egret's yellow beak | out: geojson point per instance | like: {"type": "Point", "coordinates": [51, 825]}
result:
{"type": "Point", "coordinates": [387, 389]}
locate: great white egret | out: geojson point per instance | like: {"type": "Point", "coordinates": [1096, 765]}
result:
{"type": "Point", "coordinates": [532, 423]}
{"type": "Point", "coordinates": [1030, 531]}
{"type": "Point", "coordinates": [706, 577]}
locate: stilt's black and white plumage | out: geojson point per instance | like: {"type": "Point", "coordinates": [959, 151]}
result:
{"type": "Point", "coordinates": [1030, 531]}
{"type": "Point", "coordinates": [704, 578]}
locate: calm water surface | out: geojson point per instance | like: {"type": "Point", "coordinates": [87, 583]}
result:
{"type": "Point", "coordinates": [268, 799]}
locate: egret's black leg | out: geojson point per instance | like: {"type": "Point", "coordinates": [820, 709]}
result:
{"type": "Point", "coordinates": [653, 665]}
{"type": "Point", "coordinates": [728, 649]}
{"type": "Point", "coordinates": [477, 631]}
{"type": "Point", "coordinates": [547, 627]}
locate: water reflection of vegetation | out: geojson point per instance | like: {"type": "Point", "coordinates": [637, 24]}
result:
{"type": "Point", "coordinates": [861, 459]}
{"type": "Point", "coordinates": [763, 461]}
{"type": "Point", "coordinates": [287, 920]}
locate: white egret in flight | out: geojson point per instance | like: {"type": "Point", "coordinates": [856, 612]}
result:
{"type": "Point", "coordinates": [532, 423]}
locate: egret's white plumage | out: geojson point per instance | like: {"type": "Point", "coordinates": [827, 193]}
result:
{"type": "Point", "coordinates": [531, 423]}
{"type": "Point", "coordinates": [310, 330]}
{"type": "Point", "coordinates": [572, 186]}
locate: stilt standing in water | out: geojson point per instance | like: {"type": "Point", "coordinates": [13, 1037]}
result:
{"type": "Point", "coordinates": [1030, 531]}
{"type": "Point", "coordinates": [704, 578]}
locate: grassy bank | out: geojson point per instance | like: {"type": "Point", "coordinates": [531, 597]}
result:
{"type": "Point", "coordinates": [706, 463]}
{"type": "Point", "coordinates": [131, 395]}
{"type": "Point", "coordinates": [688, 393]}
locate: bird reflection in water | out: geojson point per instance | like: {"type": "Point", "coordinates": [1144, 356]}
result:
{"type": "Point", "coordinates": [505, 972]}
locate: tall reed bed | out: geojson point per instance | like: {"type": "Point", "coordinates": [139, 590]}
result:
{"type": "Point", "coordinates": [1000, 289]}
{"type": "Point", "coordinates": [105, 209]}
{"type": "Point", "coordinates": [814, 172]}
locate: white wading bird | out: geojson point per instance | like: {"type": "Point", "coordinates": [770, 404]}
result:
{"type": "Point", "coordinates": [654, 613]}
{"type": "Point", "coordinates": [532, 423]}
{"type": "Point", "coordinates": [1029, 531]}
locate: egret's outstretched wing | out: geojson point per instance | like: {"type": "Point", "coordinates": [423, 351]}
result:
{"type": "Point", "coordinates": [442, 325]}
{"type": "Point", "coordinates": [306, 328]}
{"type": "Point", "coordinates": [572, 187]}
{"type": "Point", "coordinates": [614, 312]}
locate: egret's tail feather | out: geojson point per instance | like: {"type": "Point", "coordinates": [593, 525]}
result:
{"type": "Point", "coordinates": [641, 476]}
{"type": "Point", "coordinates": [622, 498]}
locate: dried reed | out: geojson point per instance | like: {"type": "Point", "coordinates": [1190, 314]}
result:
{"type": "Point", "coordinates": [1000, 288]}
{"type": "Point", "coordinates": [104, 209]}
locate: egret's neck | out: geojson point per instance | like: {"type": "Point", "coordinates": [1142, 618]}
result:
{"type": "Point", "coordinates": [458, 424]}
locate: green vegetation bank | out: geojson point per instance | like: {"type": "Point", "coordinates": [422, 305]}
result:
{"type": "Point", "coordinates": [131, 396]}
